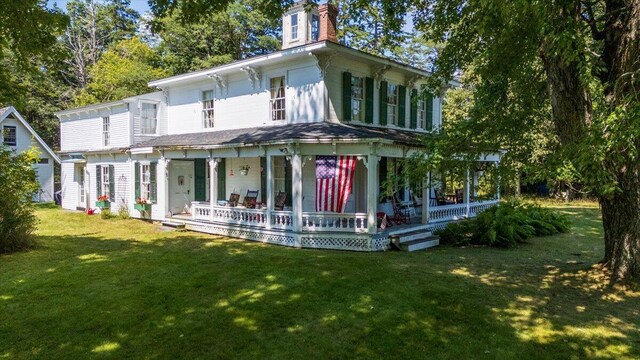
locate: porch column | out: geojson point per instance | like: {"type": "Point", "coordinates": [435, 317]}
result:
{"type": "Point", "coordinates": [426, 198]}
{"type": "Point", "coordinates": [466, 193]}
{"type": "Point", "coordinates": [269, 189]}
{"type": "Point", "coordinates": [497, 181]}
{"type": "Point", "coordinates": [296, 190]}
{"type": "Point", "coordinates": [213, 185]}
{"type": "Point", "coordinates": [162, 186]}
{"type": "Point", "coordinates": [372, 193]}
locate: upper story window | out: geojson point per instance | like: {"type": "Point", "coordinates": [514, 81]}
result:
{"type": "Point", "coordinates": [106, 128]}
{"type": "Point", "coordinates": [278, 99]}
{"type": "Point", "coordinates": [105, 180]}
{"type": "Point", "coordinates": [392, 104]}
{"type": "Point", "coordinates": [148, 118]}
{"type": "Point", "coordinates": [207, 109]}
{"type": "Point", "coordinates": [422, 113]}
{"type": "Point", "coordinates": [315, 27]}
{"type": "Point", "coordinates": [9, 135]}
{"type": "Point", "coordinates": [294, 26]}
{"type": "Point", "coordinates": [357, 98]}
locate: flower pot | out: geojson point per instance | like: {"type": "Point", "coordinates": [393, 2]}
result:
{"type": "Point", "coordinates": [244, 172]}
{"type": "Point", "coordinates": [142, 207]}
{"type": "Point", "coordinates": [104, 204]}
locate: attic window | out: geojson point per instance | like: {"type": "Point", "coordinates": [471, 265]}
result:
{"type": "Point", "coordinates": [294, 27]}
{"type": "Point", "coordinates": [315, 27]}
{"type": "Point", "coordinates": [9, 135]}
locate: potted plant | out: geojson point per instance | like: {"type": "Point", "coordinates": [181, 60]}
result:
{"type": "Point", "coordinates": [103, 202]}
{"type": "Point", "coordinates": [244, 170]}
{"type": "Point", "coordinates": [142, 205]}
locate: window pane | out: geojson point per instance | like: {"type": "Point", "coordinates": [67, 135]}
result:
{"type": "Point", "coordinates": [207, 109]}
{"type": "Point", "coordinates": [148, 118]}
{"type": "Point", "coordinates": [294, 26]}
{"type": "Point", "coordinates": [278, 99]}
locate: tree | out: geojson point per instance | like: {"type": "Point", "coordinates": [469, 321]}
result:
{"type": "Point", "coordinates": [93, 27]}
{"type": "Point", "coordinates": [124, 70]}
{"type": "Point", "coordinates": [235, 33]}
{"type": "Point", "coordinates": [19, 184]}
{"type": "Point", "coordinates": [586, 55]}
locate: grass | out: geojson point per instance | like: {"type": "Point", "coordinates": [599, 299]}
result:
{"type": "Point", "coordinates": [127, 289]}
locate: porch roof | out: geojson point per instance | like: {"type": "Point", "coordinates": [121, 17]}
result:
{"type": "Point", "coordinates": [303, 133]}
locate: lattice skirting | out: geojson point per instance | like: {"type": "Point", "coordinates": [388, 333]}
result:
{"type": "Point", "coordinates": [286, 239]}
{"type": "Point", "coordinates": [333, 241]}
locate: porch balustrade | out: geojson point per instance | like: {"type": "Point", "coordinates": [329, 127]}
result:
{"type": "Point", "coordinates": [458, 211]}
{"type": "Point", "coordinates": [312, 221]}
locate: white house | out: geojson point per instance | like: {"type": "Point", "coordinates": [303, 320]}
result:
{"type": "Point", "coordinates": [18, 135]}
{"type": "Point", "coordinates": [276, 125]}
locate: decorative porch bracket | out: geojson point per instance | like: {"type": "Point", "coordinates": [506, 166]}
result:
{"type": "Point", "coordinates": [254, 75]}
{"type": "Point", "coordinates": [324, 61]}
{"type": "Point", "coordinates": [411, 83]}
{"type": "Point", "coordinates": [378, 74]}
{"type": "Point", "coordinates": [221, 82]}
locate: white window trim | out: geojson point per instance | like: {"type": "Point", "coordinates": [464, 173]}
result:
{"type": "Point", "coordinates": [104, 169]}
{"type": "Point", "coordinates": [15, 131]}
{"type": "Point", "coordinates": [396, 105]}
{"type": "Point", "coordinates": [297, 25]}
{"type": "Point", "coordinates": [106, 134]}
{"type": "Point", "coordinates": [270, 109]}
{"type": "Point", "coordinates": [363, 100]}
{"type": "Point", "coordinates": [157, 104]}
{"type": "Point", "coordinates": [142, 189]}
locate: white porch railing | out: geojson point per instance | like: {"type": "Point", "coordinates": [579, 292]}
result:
{"type": "Point", "coordinates": [458, 211]}
{"type": "Point", "coordinates": [282, 220]}
{"type": "Point", "coordinates": [312, 221]}
{"type": "Point", "coordinates": [241, 216]}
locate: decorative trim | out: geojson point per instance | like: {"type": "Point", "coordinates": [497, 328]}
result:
{"type": "Point", "coordinates": [324, 61]}
{"type": "Point", "coordinates": [254, 75]}
{"type": "Point", "coordinates": [378, 74]}
{"type": "Point", "coordinates": [221, 82]}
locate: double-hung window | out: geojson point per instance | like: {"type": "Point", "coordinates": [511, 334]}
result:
{"type": "Point", "coordinates": [148, 118]}
{"type": "Point", "coordinates": [278, 99]}
{"type": "Point", "coordinates": [105, 180]}
{"type": "Point", "coordinates": [106, 127]}
{"type": "Point", "coordinates": [145, 181]}
{"type": "Point", "coordinates": [315, 27]}
{"type": "Point", "coordinates": [422, 113]}
{"type": "Point", "coordinates": [9, 135]}
{"type": "Point", "coordinates": [294, 26]}
{"type": "Point", "coordinates": [207, 109]}
{"type": "Point", "coordinates": [392, 104]}
{"type": "Point", "coordinates": [357, 98]}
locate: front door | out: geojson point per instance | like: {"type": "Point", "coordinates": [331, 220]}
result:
{"type": "Point", "coordinates": [82, 192]}
{"type": "Point", "coordinates": [180, 186]}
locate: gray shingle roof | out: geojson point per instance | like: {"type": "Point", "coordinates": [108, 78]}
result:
{"type": "Point", "coordinates": [282, 134]}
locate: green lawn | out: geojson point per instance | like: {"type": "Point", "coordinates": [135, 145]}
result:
{"type": "Point", "coordinates": [127, 289]}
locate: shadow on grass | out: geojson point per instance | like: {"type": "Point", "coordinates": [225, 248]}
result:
{"type": "Point", "coordinates": [188, 296]}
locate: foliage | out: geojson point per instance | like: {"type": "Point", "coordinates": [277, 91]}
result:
{"type": "Point", "coordinates": [238, 32]}
{"type": "Point", "coordinates": [505, 225]}
{"type": "Point", "coordinates": [105, 214]}
{"type": "Point", "coordinates": [18, 183]}
{"type": "Point", "coordinates": [123, 212]}
{"type": "Point", "coordinates": [124, 70]}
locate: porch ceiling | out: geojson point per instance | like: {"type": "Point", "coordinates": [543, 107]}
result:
{"type": "Point", "coordinates": [303, 133]}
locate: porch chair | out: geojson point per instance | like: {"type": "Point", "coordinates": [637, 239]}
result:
{"type": "Point", "coordinates": [250, 199]}
{"type": "Point", "coordinates": [459, 196]}
{"type": "Point", "coordinates": [233, 199]}
{"type": "Point", "coordinates": [442, 199]}
{"type": "Point", "coordinates": [400, 215]}
{"type": "Point", "coordinates": [281, 198]}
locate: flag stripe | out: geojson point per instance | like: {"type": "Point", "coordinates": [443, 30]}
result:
{"type": "Point", "coordinates": [334, 182]}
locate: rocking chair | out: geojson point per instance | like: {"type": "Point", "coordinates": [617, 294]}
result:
{"type": "Point", "coordinates": [400, 215]}
{"type": "Point", "coordinates": [250, 199]}
{"type": "Point", "coordinates": [233, 199]}
{"type": "Point", "coordinates": [280, 201]}
{"type": "Point", "coordinates": [442, 199]}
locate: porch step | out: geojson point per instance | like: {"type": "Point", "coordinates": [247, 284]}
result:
{"type": "Point", "coordinates": [173, 224]}
{"type": "Point", "coordinates": [414, 235]}
{"type": "Point", "coordinates": [408, 229]}
{"type": "Point", "coordinates": [420, 244]}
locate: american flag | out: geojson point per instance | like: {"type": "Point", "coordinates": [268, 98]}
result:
{"type": "Point", "coordinates": [334, 179]}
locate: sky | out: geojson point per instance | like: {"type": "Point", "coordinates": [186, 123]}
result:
{"type": "Point", "coordinates": [140, 6]}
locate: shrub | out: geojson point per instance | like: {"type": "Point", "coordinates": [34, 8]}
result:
{"type": "Point", "coordinates": [123, 212]}
{"type": "Point", "coordinates": [105, 214]}
{"type": "Point", "coordinates": [505, 225]}
{"type": "Point", "coordinates": [18, 183]}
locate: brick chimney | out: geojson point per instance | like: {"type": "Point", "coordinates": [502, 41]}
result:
{"type": "Point", "coordinates": [328, 20]}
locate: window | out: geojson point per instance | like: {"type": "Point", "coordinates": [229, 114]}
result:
{"type": "Point", "coordinates": [9, 135]}
{"type": "Point", "coordinates": [277, 99]}
{"type": "Point", "coordinates": [106, 125]}
{"type": "Point", "coordinates": [145, 181]}
{"type": "Point", "coordinates": [148, 118]}
{"type": "Point", "coordinates": [207, 109]}
{"type": "Point", "coordinates": [105, 180]}
{"type": "Point", "coordinates": [357, 98]}
{"type": "Point", "coordinates": [315, 27]}
{"type": "Point", "coordinates": [422, 113]}
{"type": "Point", "coordinates": [392, 104]}
{"type": "Point", "coordinates": [294, 27]}
{"type": "Point", "coordinates": [43, 161]}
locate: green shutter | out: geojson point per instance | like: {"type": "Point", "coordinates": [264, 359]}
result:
{"type": "Point", "coordinates": [413, 112]}
{"type": "Point", "coordinates": [429, 100]}
{"type": "Point", "coordinates": [136, 166]}
{"type": "Point", "coordinates": [368, 100]}
{"type": "Point", "coordinates": [200, 179]}
{"type": "Point", "coordinates": [222, 180]}
{"type": "Point", "coordinates": [98, 180]}
{"type": "Point", "coordinates": [402, 105]}
{"type": "Point", "coordinates": [383, 103]}
{"type": "Point", "coordinates": [153, 170]}
{"type": "Point", "coordinates": [346, 96]}
{"type": "Point", "coordinates": [112, 183]}
{"type": "Point", "coordinates": [382, 177]}
{"type": "Point", "coordinates": [263, 179]}
{"type": "Point", "coordinates": [288, 174]}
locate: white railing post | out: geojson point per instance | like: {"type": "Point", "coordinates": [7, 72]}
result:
{"type": "Point", "coordinates": [372, 193]}
{"type": "Point", "coordinates": [269, 188]}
